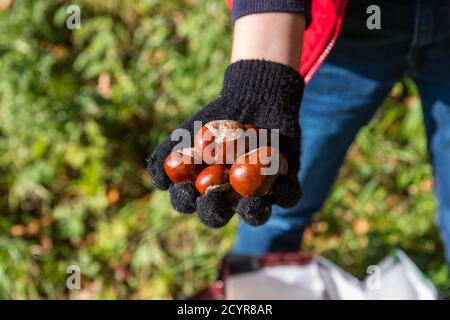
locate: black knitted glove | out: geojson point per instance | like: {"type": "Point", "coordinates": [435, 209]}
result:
{"type": "Point", "coordinates": [262, 93]}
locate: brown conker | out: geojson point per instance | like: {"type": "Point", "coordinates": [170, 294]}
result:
{"type": "Point", "coordinates": [254, 173]}
{"type": "Point", "coordinates": [248, 126]}
{"type": "Point", "coordinates": [213, 177]}
{"type": "Point", "coordinates": [220, 141]}
{"type": "Point", "coordinates": [183, 165]}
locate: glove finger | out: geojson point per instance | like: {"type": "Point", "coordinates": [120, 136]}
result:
{"type": "Point", "coordinates": [183, 196]}
{"type": "Point", "coordinates": [286, 191]}
{"type": "Point", "coordinates": [214, 210]}
{"type": "Point", "coordinates": [155, 165]}
{"type": "Point", "coordinates": [254, 210]}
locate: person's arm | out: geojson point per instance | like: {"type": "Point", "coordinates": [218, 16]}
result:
{"type": "Point", "coordinates": [272, 36]}
{"type": "Point", "coordinates": [261, 87]}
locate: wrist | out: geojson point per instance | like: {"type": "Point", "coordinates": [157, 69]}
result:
{"type": "Point", "coordinates": [262, 82]}
{"type": "Point", "coordinates": [265, 93]}
{"type": "Point", "coordinates": [274, 36]}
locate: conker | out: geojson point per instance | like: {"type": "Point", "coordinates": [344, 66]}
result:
{"type": "Point", "coordinates": [213, 177]}
{"type": "Point", "coordinates": [248, 126]}
{"type": "Point", "coordinates": [254, 173]}
{"type": "Point", "coordinates": [220, 141]}
{"type": "Point", "coordinates": [183, 165]}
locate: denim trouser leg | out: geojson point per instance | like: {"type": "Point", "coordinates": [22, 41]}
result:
{"type": "Point", "coordinates": [436, 108]}
{"type": "Point", "coordinates": [336, 105]}
{"type": "Point", "coordinates": [431, 72]}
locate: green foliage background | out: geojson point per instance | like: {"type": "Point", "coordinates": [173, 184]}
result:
{"type": "Point", "coordinates": [79, 113]}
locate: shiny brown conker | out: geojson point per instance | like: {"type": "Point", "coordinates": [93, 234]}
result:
{"type": "Point", "coordinates": [220, 141]}
{"type": "Point", "coordinates": [183, 165]}
{"type": "Point", "coordinates": [254, 173]}
{"type": "Point", "coordinates": [215, 176]}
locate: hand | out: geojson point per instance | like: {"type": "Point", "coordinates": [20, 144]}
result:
{"type": "Point", "coordinates": [258, 92]}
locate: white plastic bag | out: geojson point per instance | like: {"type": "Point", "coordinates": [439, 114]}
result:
{"type": "Point", "coordinates": [395, 277]}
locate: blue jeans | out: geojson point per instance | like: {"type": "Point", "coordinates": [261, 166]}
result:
{"type": "Point", "coordinates": [343, 96]}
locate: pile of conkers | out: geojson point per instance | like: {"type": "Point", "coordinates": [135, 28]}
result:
{"type": "Point", "coordinates": [228, 157]}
